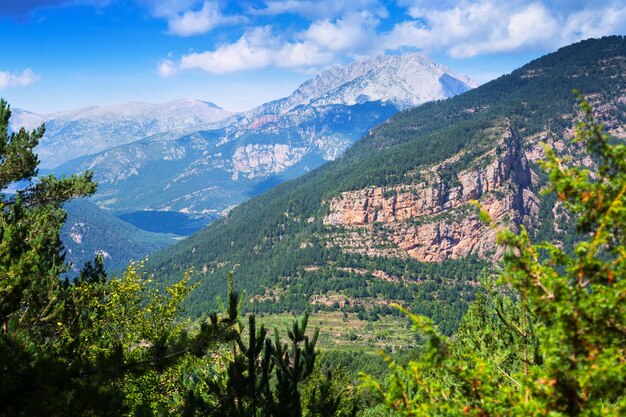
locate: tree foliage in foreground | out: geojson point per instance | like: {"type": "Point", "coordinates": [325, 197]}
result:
{"type": "Point", "coordinates": [566, 335]}
{"type": "Point", "coordinates": [263, 376]}
{"type": "Point", "coordinates": [74, 348]}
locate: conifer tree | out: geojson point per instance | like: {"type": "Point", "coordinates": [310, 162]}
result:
{"type": "Point", "coordinates": [293, 365]}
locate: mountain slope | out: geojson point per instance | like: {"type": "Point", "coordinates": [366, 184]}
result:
{"type": "Point", "coordinates": [391, 220]}
{"type": "Point", "coordinates": [90, 231]}
{"type": "Point", "coordinates": [212, 169]}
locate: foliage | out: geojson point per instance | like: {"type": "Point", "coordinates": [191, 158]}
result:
{"type": "Point", "coordinates": [31, 260]}
{"type": "Point", "coordinates": [330, 394]}
{"type": "Point", "coordinates": [117, 346]}
{"type": "Point", "coordinates": [265, 377]}
{"type": "Point", "coordinates": [564, 341]}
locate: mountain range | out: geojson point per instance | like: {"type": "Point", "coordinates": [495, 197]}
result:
{"type": "Point", "coordinates": [176, 166]}
{"type": "Point", "coordinates": [75, 133]}
{"type": "Point", "coordinates": [392, 219]}
{"type": "Point", "coordinates": [206, 167]}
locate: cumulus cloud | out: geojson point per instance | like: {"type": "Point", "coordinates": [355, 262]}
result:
{"type": "Point", "coordinates": [302, 55]}
{"type": "Point", "coordinates": [468, 29]}
{"type": "Point", "coordinates": [160, 8]}
{"type": "Point", "coordinates": [253, 50]}
{"type": "Point", "coordinates": [190, 17]}
{"type": "Point", "coordinates": [258, 48]}
{"type": "Point", "coordinates": [461, 29]}
{"type": "Point", "coordinates": [167, 68]}
{"type": "Point", "coordinates": [319, 9]}
{"type": "Point", "coordinates": [201, 21]}
{"type": "Point", "coordinates": [320, 44]}
{"type": "Point", "coordinates": [352, 32]}
{"type": "Point", "coordinates": [595, 23]}
{"type": "Point", "coordinates": [24, 78]}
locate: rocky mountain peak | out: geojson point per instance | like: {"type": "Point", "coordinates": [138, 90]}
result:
{"type": "Point", "coordinates": [404, 80]}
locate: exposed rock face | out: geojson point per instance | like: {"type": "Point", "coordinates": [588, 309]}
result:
{"type": "Point", "coordinates": [259, 160]}
{"type": "Point", "coordinates": [432, 220]}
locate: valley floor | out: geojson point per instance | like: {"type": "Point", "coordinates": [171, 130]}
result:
{"type": "Point", "coordinates": [346, 332]}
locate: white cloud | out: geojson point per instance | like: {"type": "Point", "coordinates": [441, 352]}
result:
{"type": "Point", "coordinates": [322, 43]}
{"type": "Point", "coordinates": [167, 68]}
{"type": "Point", "coordinates": [469, 29]}
{"type": "Point", "coordinates": [201, 21]}
{"type": "Point", "coordinates": [190, 17]}
{"type": "Point", "coordinates": [352, 32]}
{"type": "Point", "coordinates": [461, 29]}
{"type": "Point", "coordinates": [301, 55]}
{"type": "Point", "coordinates": [161, 8]}
{"type": "Point", "coordinates": [320, 9]}
{"type": "Point", "coordinates": [9, 79]}
{"type": "Point", "coordinates": [595, 23]}
{"type": "Point", "coordinates": [254, 50]}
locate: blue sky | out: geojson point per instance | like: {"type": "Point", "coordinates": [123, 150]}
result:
{"type": "Point", "coordinates": [62, 54]}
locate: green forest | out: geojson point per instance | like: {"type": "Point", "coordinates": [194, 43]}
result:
{"type": "Point", "coordinates": [545, 336]}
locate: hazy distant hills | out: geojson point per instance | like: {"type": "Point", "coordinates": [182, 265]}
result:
{"type": "Point", "coordinates": [74, 133]}
{"type": "Point", "coordinates": [392, 219]}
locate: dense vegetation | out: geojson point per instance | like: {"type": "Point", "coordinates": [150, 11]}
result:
{"type": "Point", "coordinates": [100, 346]}
{"type": "Point", "coordinates": [556, 345]}
{"type": "Point", "coordinates": [272, 241]}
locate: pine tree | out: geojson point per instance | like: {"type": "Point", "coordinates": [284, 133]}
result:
{"type": "Point", "coordinates": [293, 365]}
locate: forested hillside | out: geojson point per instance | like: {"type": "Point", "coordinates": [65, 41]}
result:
{"type": "Point", "coordinates": [303, 245]}
{"type": "Point", "coordinates": [90, 231]}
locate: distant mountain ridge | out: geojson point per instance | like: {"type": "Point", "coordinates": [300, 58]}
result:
{"type": "Point", "coordinates": [404, 80]}
{"type": "Point", "coordinates": [214, 166]}
{"type": "Point", "coordinates": [75, 133]}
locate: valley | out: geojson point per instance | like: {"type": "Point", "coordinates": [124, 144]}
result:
{"type": "Point", "coordinates": [295, 208]}
{"type": "Point", "coordinates": [351, 332]}
{"type": "Point", "coordinates": [177, 166]}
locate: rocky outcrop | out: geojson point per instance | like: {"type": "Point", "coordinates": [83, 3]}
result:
{"type": "Point", "coordinates": [259, 160]}
{"type": "Point", "coordinates": [431, 220]}
{"type": "Point", "coordinates": [461, 236]}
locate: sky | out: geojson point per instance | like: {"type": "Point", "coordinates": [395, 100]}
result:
{"type": "Point", "coordinates": [63, 54]}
